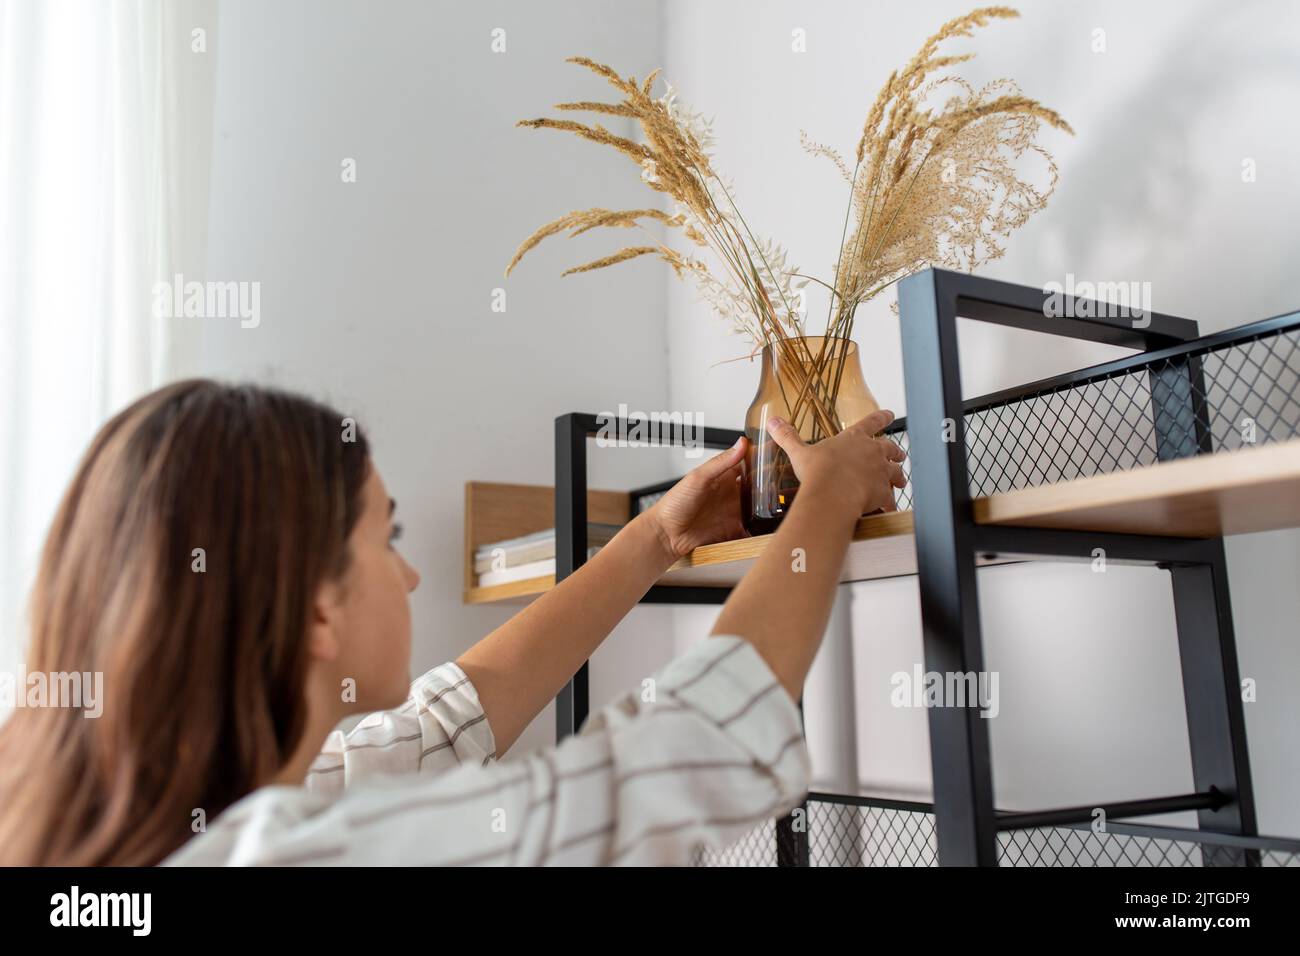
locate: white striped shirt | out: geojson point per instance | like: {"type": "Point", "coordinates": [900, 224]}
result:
{"type": "Point", "coordinates": [719, 751]}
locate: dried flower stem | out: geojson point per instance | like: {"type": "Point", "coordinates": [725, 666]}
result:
{"type": "Point", "coordinates": [931, 185]}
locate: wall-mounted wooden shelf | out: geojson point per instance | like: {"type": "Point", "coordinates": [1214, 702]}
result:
{"type": "Point", "coordinates": [497, 512]}
{"type": "Point", "coordinates": [1254, 489]}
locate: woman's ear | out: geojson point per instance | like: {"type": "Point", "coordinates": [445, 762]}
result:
{"type": "Point", "coordinates": [326, 627]}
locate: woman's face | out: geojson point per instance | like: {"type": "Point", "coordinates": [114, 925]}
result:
{"type": "Point", "coordinates": [370, 617]}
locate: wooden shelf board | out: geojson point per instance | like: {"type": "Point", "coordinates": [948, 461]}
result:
{"type": "Point", "coordinates": [1238, 492]}
{"type": "Point", "coordinates": [1235, 492]}
{"type": "Point", "coordinates": [882, 547]}
{"type": "Point", "coordinates": [513, 592]}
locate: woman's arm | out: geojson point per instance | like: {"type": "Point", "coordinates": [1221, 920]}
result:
{"type": "Point", "coordinates": [525, 662]}
{"type": "Point", "coordinates": [782, 605]}
{"type": "Point", "coordinates": [718, 751]}
{"type": "Point", "coordinates": [783, 612]}
{"type": "Point", "coordinates": [718, 748]}
{"type": "Point", "coordinates": [472, 709]}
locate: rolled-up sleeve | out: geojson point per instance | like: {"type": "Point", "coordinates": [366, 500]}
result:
{"type": "Point", "coordinates": [441, 726]}
{"type": "Point", "coordinates": [721, 751]}
{"type": "Point", "coordinates": [709, 748]}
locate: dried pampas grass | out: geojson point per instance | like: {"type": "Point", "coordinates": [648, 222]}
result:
{"type": "Point", "coordinates": [748, 282]}
{"type": "Point", "coordinates": [938, 185]}
{"type": "Point", "coordinates": [936, 181]}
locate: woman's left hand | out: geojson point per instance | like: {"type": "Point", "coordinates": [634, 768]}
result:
{"type": "Point", "coordinates": [704, 506]}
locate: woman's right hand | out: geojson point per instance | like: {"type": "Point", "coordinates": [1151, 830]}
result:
{"type": "Point", "coordinates": [854, 467]}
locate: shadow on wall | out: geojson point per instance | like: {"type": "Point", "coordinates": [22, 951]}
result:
{"type": "Point", "coordinates": [1172, 169]}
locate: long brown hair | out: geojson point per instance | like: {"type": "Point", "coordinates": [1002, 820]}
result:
{"type": "Point", "coordinates": [203, 652]}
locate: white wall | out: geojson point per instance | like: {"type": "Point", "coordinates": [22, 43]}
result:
{"type": "Point", "coordinates": [1150, 190]}
{"type": "Point", "coordinates": [376, 295]}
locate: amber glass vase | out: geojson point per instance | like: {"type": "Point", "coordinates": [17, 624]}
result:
{"type": "Point", "coordinates": [769, 485]}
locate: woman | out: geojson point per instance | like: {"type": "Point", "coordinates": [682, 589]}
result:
{"type": "Point", "coordinates": [224, 556]}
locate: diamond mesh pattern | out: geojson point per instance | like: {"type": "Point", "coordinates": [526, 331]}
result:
{"type": "Point", "coordinates": [1068, 846]}
{"type": "Point", "coordinates": [844, 834]}
{"type": "Point", "coordinates": [1234, 396]}
{"type": "Point", "coordinates": [1065, 846]}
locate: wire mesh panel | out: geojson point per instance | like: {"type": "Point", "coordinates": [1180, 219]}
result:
{"type": "Point", "coordinates": [1279, 858]}
{"type": "Point", "coordinates": [840, 834]}
{"type": "Point", "coordinates": [854, 834]}
{"type": "Point", "coordinates": [1221, 398]}
{"type": "Point", "coordinates": [1080, 846]}
{"type": "Point", "coordinates": [846, 835]}
{"type": "Point", "coordinates": [1065, 846]}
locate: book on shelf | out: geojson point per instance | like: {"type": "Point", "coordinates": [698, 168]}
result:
{"type": "Point", "coordinates": [522, 572]}
{"type": "Point", "coordinates": [497, 556]}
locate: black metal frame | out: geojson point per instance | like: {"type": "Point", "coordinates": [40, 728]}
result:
{"type": "Point", "coordinates": [948, 540]}
{"type": "Point", "coordinates": [571, 434]}
{"type": "Point", "coordinates": [573, 702]}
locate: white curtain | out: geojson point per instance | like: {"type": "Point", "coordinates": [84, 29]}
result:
{"type": "Point", "coordinates": [105, 140]}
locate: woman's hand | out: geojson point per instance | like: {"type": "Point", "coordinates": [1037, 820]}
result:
{"type": "Point", "coordinates": [524, 663]}
{"type": "Point", "coordinates": [703, 507]}
{"type": "Point", "coordinates": [784, 613]}
{"type": "Point", "coordinates": [854, 467]}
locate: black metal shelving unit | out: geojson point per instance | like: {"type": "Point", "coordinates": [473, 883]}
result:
{"type": "Point", "coordinates": [1179, 396]}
